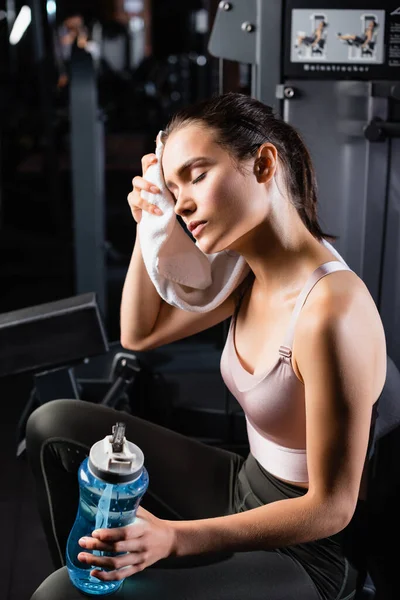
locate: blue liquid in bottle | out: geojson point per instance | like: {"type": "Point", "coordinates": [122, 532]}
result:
{"type": "Point", "coordinates": [112, 482]}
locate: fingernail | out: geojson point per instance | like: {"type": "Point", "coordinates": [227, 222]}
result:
{"type": "Point", "coordinates": [82, 542]}
{"type": "Point", "coordinates": [157, 211]}
{"type": "Point", "coordinates": [95, 533]}
{"type": "Point", "coordinates": [94, 573]}
{"type": "Point", "coordinates": [154, 189]}
{"type": "Point", "coordinates": [82, 557]}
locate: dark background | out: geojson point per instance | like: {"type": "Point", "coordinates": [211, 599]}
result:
{"type": "Point", "coordinates": [36, 217]}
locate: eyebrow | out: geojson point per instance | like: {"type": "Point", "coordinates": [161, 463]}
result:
{"type": "Point", "coordinates": [189, 163]}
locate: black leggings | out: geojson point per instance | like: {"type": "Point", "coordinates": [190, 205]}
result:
{"type": "Point", "coordinates": [188, 480]}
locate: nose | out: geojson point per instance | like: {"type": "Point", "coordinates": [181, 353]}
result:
{"type": "Point", "coordinates": [184, 205]}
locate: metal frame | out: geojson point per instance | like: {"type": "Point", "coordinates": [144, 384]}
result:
{"type": "Point", "coordinates": [256, 28]}
{"type": "Point", "coordinates": [88, 178]}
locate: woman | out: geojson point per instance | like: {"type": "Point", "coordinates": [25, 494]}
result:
{"type": "Point", "coordinates": [314, 39]}
{"type": "Point", "coordinates": [364, 40]}
{"type": "Point", "coordinates": [305, 356]}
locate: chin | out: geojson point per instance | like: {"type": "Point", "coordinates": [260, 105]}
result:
{"type": "Point", "coordinates": [210, 245]}
{"type": "Point", "coordinates": [211, 249]}
{"type": "Point", "coordinates": [205, 249]}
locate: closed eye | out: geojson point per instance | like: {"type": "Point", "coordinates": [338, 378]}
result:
{"type": "Point", "coordinates": [199, 178]}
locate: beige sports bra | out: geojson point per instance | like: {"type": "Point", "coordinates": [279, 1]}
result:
{"type": "Point", "coordinates": [274, 402]}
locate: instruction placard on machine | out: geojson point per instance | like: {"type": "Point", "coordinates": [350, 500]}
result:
{"type": "Point", "coordinates": [356, 41]}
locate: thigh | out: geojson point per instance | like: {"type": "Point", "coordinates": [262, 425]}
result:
{"type": "Point", "coordinates": [246, 575]}
{"type": "Point", "coordinates": [188, 479]}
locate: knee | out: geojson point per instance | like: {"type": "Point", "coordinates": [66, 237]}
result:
{"type": "Point", "coordinates": [56, 586]}
{"type": "Point", "coordinates": [48, 421]}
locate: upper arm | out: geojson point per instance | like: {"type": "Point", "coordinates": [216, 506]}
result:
{"type": "Point", "coordinates": [336, 356]}
{"type": "Point", "coordinates": [174, 324]}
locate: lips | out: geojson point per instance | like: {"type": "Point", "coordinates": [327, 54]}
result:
{"type": "Point", "coordinates": [194, 224]}
{"type": "Point", "coordinates": [197, 230]}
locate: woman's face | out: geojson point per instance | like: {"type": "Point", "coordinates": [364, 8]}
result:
{"type": "Point", "coordinates": [207, 186]}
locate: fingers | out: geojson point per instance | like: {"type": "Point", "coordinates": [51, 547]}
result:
{"type": "Point", "coordinates": [112, 562]}
{"type": "Point", "coordinates": [118, 575]}
{"type": "Point", "coordinates": [93, 544]}
{"type": "Point", "coordinates": [135, 199]}
{"type": "Point", "coordinates": [139, 184]}
{"type": "Point", "coordinates": [137, 203]}
{"type": "Point", "coordinates": [123, 545]}
{"type": "Point", "coordinates": [118, 567]}
{"type": "Point", "coordinates": [119, 534]}
{"type": "Point", "coordinates": [147, 160]}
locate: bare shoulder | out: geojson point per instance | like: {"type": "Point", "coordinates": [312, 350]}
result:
{"type": "Point", "coordinates": [338, 296]}
{"type": "Point", "coordinates": [340, 308]}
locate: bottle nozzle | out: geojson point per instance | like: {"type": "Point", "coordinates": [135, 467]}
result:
{"type": "Point", "coordinates": [114, 459]}
{"type": "Point", "coordinates": [118, 437]}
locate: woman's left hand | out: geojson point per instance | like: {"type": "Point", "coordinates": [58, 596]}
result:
{"type": "Point", "coordinates": [147, 540]}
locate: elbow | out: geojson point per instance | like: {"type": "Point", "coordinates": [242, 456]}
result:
{"type": "Point", "coordinates": [346, 504]}
{"type": "Point", "coordinates": [330, 523]}
{"type": "Point", "coordinates": [138, 345]}
{"type": "Point", "coordinates": [335, 515]}
{"type": "Point", "coordinates": [131, 344]}
{"type": "Point", "coordinates": [341, 521]}
{"type": "Point", "coordinates": [348, 514]}
{"type": "Point", "coordinates": [344, 513]}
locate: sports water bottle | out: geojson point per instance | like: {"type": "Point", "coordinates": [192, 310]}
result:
{"type": "Point", "coordinates": [112, 481]}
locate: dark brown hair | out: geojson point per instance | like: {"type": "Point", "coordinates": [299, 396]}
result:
{"type": "Point", "coordinates": [242, 124]}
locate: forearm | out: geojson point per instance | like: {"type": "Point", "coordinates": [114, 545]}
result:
{"type": "Point", "coordinates": [276, 525]}
{"type": "Point", "coordinates": [140, 302]}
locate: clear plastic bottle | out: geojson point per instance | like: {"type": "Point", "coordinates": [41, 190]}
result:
{"type": "Point", "coordinates": [112, 481]}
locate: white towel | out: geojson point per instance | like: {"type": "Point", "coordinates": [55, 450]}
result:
{"type": "Point", "coordinates": [182, 274]}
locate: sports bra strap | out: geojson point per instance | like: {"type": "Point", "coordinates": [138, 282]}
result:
{"type": "Point", "coordinates": [319, 273]}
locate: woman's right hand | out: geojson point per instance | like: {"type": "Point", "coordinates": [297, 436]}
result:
{"type": "Point", "coordinates": [135, 200]}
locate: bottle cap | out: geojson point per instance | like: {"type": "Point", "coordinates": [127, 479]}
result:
{"type": "Point", "coordinates": [114, 459]}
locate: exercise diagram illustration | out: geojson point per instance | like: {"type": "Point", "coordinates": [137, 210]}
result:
{"type": "Point", "coordinates": [313, 44]}
{"type": "Point", "coordinates": [362, 45]}
{"type": "Point", "coordinates": [337, 36]}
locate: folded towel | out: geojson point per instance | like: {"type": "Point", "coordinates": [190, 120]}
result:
{"type": "Point", "coordinates": [182, 274]}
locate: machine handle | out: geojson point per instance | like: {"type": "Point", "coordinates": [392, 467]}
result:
{"type": "Point", "coordinates": [378, 130]}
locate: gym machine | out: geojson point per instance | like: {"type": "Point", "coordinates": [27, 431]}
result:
{"type": "Point", "coordinates": [347, 108]}
{"type": "Point", "coordinates": [88, 178]}
{"type": "Point", "coordinates": [61, 344]}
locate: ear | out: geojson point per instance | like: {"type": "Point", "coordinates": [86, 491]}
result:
{"type": "Point", "coordinates": [265, 163]}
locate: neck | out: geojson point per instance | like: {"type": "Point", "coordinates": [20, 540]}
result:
{"type": "Point", "coordinates": [282, 257]}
